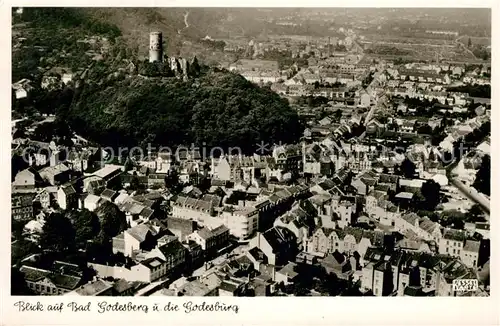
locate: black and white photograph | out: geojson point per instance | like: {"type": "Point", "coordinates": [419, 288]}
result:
{"type": "Point", "coordinates": [250, 152]}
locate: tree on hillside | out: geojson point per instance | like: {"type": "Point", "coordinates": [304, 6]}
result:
{"type": "Point", "coordinates": [43, 132]}
{"type": "Point", "coordinates": [58, 234]}
{"type": "Point", "coordinates": [407, 168]}
{"type": "Point", "coordinates": [475, 214]}
{"type": "Point", "coordinates": [328, 284]}
{"type": "Point", "coordinates": [17, 228]}
{"type": "Point", "coordinates": [452, 218]}
{"type": "Point", "coordinates": [21, 250]}
{"type": "Point", "coordinates": [128, 164]}
{"type": "Point", "coordinates": [425, 129]}
{"type": "Point", "coordinates": [338, 115]}
{"type": "Point", "coordinates": [482, 182]}
{"type": "Point", "coordinates": [194, 68]}
{"type": "Point", "coordinates": [469, 43]}
{"type": "Point", "coordinates": [172, 181]}
{"type": "Point", "coordinates": [135, 184]}
{"type": "Point", "coordinates": [430, 192]}
{"type": "Point", "coordinates": [112, 220]}
{"type": "Point", "coordinates": [86, 225]}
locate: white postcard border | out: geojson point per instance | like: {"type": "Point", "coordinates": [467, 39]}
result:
{"type": "Point", "coordinates": [261, 310]}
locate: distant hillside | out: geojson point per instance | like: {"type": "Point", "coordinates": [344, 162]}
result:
{"type": "Point", "coordinates": [45, 37]}
{"type": "Point", "coordinates": [136, 23]}
{"type": "Point", "coordinates": [180, 39]}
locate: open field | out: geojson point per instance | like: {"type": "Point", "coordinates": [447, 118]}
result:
{"type": "Point", "coordinates": [381, 38]}
{"type": "Point", "coordinates": [418, 51]}
{"type": "Point", "coordinates": [418, 47]}
{"type": "Point", "coordinates": [475, 40]}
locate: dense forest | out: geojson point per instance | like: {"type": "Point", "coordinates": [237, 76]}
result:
{"type": "Point", "coordinates": [217, 109]}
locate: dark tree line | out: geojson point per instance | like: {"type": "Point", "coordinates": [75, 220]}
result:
{"type": "Point", "coordinates": [66, 232]}
{"type": "Point", "coordinates": [483, 177]}
{"type": "Point", "coordinates": [218, 109]}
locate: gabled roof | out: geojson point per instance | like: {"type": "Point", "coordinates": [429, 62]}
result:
{"type": "Point", "coordinates": [152, 263]}
{"type": "Point", "coordinates": [376, 238]}
{"type": "Point", "coordinates": [326, 231]}
{"type": "Point", "coordinates": [121, 285]}
{"type": "Point", "coordinates": [186, 226]}
{"type": "Point", "coordinates": [92, 199]}
{"type": "Point", "coordinates": [171, 248]}
{"type": "Point", "coordinates": [369, 181]}
{"type": "Point", "coordinates": [258, 255]}
{"type": "Point", "coordinates": [214, 199]}
{"type": "Point", "coordinates": [97, 183]}
{"type": "Point", "coordinates": [204, 233]}
{"type": "Point", "coordinates": [427, 225]}
{"type": "Point", "coordinates": [289, 270]}
{"type": "Point", "coordinates": [409, 244]}
{"type": "Point", "coordinates": [277, 236]}
{"type": "Point", "coordinates": [334, 259]}
{"type": "Point", "coordinates": [33, 274]}
{"type": "Point", "coordinates": [283, 194]}
{"type": "Point", "coordinates": [195, 204]}
{"type": "Point", "coordinates": [68, 282]}
{"type": "Point", "coordinates": [410, 218]}
{"type": "Point", "coordinates": [65, 281]}
{"type": "Point", "coordinates": [357, 233]}
{"type": "Point", "coordinates": [108, 193]}
{"type": "Point", "coordinates": [146, 213]}
{"type": "Point", "coordinates": [93, 288]}
{"type": "Point", "coordinates": [326, 184]}
{"type": "Point", "coordinates": [132, 207]}
{"type": "Point", "coordinates": [220, 230]}
{"type": "Point", "coordinates": [54, 170]}
{"type": "Point", "coordinates": [140, 231]}
{"type": "Point", "coordinates": [107, 170]}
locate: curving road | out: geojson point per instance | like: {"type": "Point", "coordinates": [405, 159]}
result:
{"type": "Point", "coordinates": [469, 192]}
{"type": "Point", "coordinates": [186, 15]}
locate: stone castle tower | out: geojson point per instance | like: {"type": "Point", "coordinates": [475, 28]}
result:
{"type": "Point", "coordinates": [155, 47]}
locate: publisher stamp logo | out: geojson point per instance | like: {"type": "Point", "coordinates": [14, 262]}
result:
{"type": "Point", "coordinates": [465, 285]}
